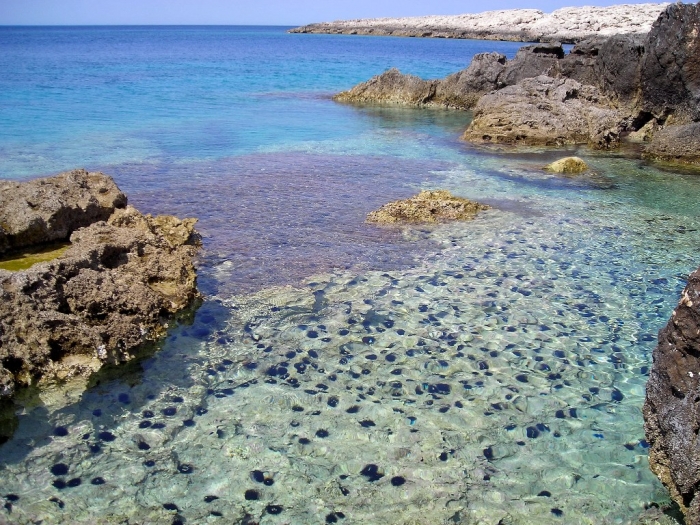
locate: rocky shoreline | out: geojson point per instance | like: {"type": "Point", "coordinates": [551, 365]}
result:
{"type": "Point", "coordinates": [568, 25]}
{"type": "Point", "coordinates": [116, 286]}
{"type": "Point", "coordinates": [606, 90]}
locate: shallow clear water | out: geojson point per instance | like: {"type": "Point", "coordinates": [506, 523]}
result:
{"type": "Point", "coordinates": [481, 372]}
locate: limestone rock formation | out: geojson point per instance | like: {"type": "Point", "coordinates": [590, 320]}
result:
{"type": "Point", "coordinates": [569, 24]}
{"type": "Point", "coordinates": [460, 90]}
{"type": "Point", "coordinates": [545, 111]}
{"type": "Point", "coordinates": [671, 415]}
{"type": "Point", "coordinates": [50, 209]}
{"type": "Point", "coordinates": [567, 165]}
{"type": "Point", "coordinates": [426, 207]}
{"type": "Point", "coordinates": [115, 288]}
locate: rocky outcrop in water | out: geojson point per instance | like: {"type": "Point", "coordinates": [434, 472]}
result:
{"type": "Point", "coordinates": [117, 286]}
{"type": "Point", "coordinates": [427, 207]}
{"type": "Point", "coordinates": [569, 24]}
{"type": "Point", "coordinates": [671, 415]}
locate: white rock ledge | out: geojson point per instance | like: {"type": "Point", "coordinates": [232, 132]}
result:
{"type": "Point", "coordinates": [568, 25]}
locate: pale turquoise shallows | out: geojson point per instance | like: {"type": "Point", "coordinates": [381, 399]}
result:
{"type": "Point", "coordinates": [478, 373]}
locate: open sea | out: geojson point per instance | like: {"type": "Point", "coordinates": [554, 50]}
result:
{"type": "Point", "coordinates": [489, 372]}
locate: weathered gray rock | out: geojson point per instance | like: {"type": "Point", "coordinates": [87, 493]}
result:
{"type": "Point", "coordinates": [545, 111]}
{"type": "Point", "coordinates": [460, 90]}
{"type": "Point", "coordinates": [463, 89]}
{"type": "Point", "coordinates": [426, 207]}
{"type": "Point", "coordinates": [671, 415]}
{"type": "Point", "coordinates": [392, 87]}
{"type": "Point", "coordinates": [679, 143]}
{"type": "Point", "coordinates": [670, 72]}
{"type": "Point", "coordinates": [50, 209]}
{"type": "Point", "coordinates": [115, 288]}
{"type": "Point", "coordinates": [532, 61]}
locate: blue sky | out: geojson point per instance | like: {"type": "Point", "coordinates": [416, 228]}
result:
{"type": "Point", "coordinates": [264, 12]}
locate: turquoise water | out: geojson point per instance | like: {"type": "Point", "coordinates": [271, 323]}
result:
{"type": "Point", "coordinates": [484, 372]}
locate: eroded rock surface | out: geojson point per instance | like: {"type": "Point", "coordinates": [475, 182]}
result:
{"type": "Point", "coordinates": [671, 414]}
{"type": "Point", "coordinates": [426, 207]}
{"type": "Point", "coordinates": [545, 111]}
{"type": "Point", "coordinates": [679, 143]}
{"type": "Point", "coordinates": [50, 209]}
{"type": "Point", "coordinates": [569, 24]}
{"type": "Point", "coordinates": [567, 165]}
{"type": "Point", "coordinates": [115, 288]}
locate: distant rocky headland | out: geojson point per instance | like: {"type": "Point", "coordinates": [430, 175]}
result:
{"type": "Point", "coordinates": [567, 25]}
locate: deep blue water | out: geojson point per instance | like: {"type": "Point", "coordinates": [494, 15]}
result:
{"type": "Point", "coordinates": [485, 372]}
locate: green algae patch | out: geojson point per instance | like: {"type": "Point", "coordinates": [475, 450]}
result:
{"type": "Point", "coordinates": [28, 257]}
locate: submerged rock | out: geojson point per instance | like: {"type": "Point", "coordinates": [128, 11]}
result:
{"type": "Point", "coordinates": [567, 165]}
{"type": "Point", "coordinates": [115, 288]}
{"type": "Point", "coordinates": [427, 206]}
{"type": "Point", "coordinates": [545, 111]}
{"type": "Point", "coordinates": [671, 417]}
